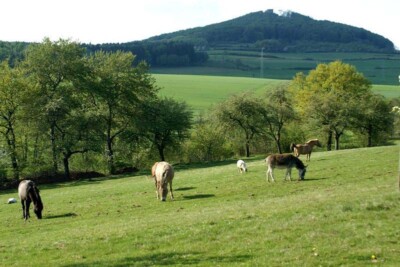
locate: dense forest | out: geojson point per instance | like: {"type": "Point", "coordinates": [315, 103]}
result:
{"type": "Point", "coordinates": [290, 32]}
{"type": "Point", "coordinates": [156, 54]}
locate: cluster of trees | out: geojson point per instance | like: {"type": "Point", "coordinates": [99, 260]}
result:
{"type": "Point", "coordinates": [61, 102]}
{"type": "Point", "coordinates": [330, 101]}
{"type": "Point", "coordinates": [158, 53]}
{"type": "Point", "coordinates": [61, 106]}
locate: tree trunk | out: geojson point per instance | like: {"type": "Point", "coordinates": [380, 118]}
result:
{"type": "Point", "coordinates": [369, 136]}
{"type": "Point", "coordinates": [247, 149]}
{"type": "Point", "coordinates": [67, 174]}
{"type": "Point", "coordinates": [54, 147]}
{"type": "Point", "coordinates": [110, 156]}
{"type": "Point", "coordinates": [10, 136]}
{"type": "Point", "coordinates": [329, 142]}
{"type": "Point", "coordinates": [160, 149]}
{"type": "Point", "coordinates": [337, 141]}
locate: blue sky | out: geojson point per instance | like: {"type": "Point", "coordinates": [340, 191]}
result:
{"type": "Point", "coordinates": [106, 21]}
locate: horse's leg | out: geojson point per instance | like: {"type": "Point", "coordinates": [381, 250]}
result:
{"type": "Point", "coordinates": [289, 173]}
{"type": "Point", "coordinates": [27, 205]}
{"type": "Point", "coordinates": [23, 209]}
{"type": "Point", "coordinates": [170, 190]}
{"type": "Point", "coordinates": [270, 173]}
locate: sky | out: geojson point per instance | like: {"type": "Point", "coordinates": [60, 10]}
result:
{"type": "Point", "coordinates": [119, 21]}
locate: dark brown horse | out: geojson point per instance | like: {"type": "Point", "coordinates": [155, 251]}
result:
{"type": "Point", "coordinates": [301, 149]}
{"type": "Point", "coordinates": [284, 161]}
{"type": "Point", "coordinates": [28, 192]}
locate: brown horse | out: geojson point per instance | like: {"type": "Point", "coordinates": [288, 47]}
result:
{"type": "Point", "coordinates": [284, 161]}
{"type": "Point", "coordinates": [163, 173]}
{"type": "Point", "coordinates": [28, 192]}
{"type": "Point", "coordinates": [301, 149]}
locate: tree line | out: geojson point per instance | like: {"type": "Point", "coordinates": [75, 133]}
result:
{"type": "Point", "coordinates": [62, 108]}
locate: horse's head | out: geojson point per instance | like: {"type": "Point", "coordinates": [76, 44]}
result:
{"type": "Point", "coordinates": [162, 188]}
{"type": "Point", "coordinates": [38, 210]}
{"type": "Point", "coordinates": [318, 143]}
{"type": "Point", "coordinates": [302, 173]}
{"type": "Point", "coordinates": [37, 202]}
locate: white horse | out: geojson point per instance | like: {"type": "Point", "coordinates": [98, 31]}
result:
{"type": "Point", "coordinates": [163, 173]}
{"type": "Point", "coordinates": [241, 165]}
{"type": "Point", "coordinates": [284, 161]}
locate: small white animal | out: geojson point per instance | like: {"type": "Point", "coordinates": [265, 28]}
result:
{"type": "Point", "coordinates": [241, 165]}
{"type": "Point", "coordinates": [12, 200]}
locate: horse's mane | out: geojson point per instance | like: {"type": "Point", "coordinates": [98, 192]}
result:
{"type": "Point", "coordinates": [33, 191]}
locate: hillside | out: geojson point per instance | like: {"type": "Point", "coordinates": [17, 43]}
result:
{"type": "Point", "coordinates": [219, 217]}
{"type": "Point", "coordinates": [284, 32]}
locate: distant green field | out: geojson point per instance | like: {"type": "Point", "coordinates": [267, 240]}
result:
{"type": "Point", "coordinates": [378, 68]}
{"type": "Point", "coordinates": [201, 92]}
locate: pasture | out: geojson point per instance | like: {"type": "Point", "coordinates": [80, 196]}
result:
{"type": "Point", "coordinates": [346, 210]}
{"type": "Point", "coordinates": [201, 92]}
{"type": "Point", "coordinates": [379, 68]}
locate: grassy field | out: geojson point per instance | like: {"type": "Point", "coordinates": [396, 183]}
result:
{"type": "Point", "coordinates": [201, 92]}
{"type": "Point", "coordinates": [378, 68]}
{"type": "Point", "coordinates": [346, 210]}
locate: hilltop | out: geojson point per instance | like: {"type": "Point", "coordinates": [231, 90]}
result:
{"type": "Point", "coordinates": [281, 32]}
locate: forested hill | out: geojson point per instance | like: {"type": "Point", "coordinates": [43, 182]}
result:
{"type": "Point", "coordinates": [287, 31]}
{"type": "Point", "coordinates": [284, 32]}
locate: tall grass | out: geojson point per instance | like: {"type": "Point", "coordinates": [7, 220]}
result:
{"type": "Point", "coordinates": [345, 211]}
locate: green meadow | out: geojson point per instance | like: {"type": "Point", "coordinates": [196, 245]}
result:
{"type": "Point", "coordinates": [201, 92]}
{"type": "Point", "coordinates": [379, 68]}
{"type": "Point", "coordinates": [345, 213]}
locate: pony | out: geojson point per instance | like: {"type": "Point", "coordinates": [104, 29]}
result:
{"type": "Point", "coordinates": [284, 161]}
{"type": "Point", "coordinates": [241, 165]}
{"type": "Point", "coordinates": [304, 148]}
{"type": "Point", "coordinates": [163, 173]}
{"type": "Point", "coordinates": [28, 192]}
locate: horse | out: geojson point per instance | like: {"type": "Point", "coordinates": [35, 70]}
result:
{"type": "Point", "coordinates": [284, 161]}
{"type": "Point", "coordinates": [163, 173]}
{"type": "Point", "coordinates": [304, 148]}
{"type": "Point", "coordinates": [28, 192]}
{"type": "Point", "coordinates": [241, 165]}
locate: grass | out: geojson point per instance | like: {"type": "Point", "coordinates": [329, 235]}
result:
{"type": "Point", "coordinates": [345, 211]}
{"type": "Point", "coordinates": [201, 92]}
{"type": "Point", "coordinates": [377, 67]}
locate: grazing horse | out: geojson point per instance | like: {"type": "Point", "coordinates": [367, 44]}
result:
{"type": "Point", "coordinates": [306, 148]}
{"type": "Point", "coordinates": [241, 165]}
{"type": "Point", "coordinates": [28, 192]}
{"type": "Point", "coordinates": [163, 174]}
{"type": "Point", "coordinates": [284, 161]}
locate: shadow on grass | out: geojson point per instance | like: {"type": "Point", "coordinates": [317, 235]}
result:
{"type": "Point", "coordinates": [198, 196]}
{"type": "Point", "coordinates": [65, 215]}
{"type": "Point", "coordinates": [168, 259]}
{"type": "Point", "coordinates": [185, 188]}
{"type": "Point", "coordinates": [312, 179]}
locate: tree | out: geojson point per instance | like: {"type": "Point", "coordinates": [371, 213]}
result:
{"type": "Point", "coordinates": [166, 122]}
{"type": "Point", "coordinates": [118, 90]}
{"type": "Point", "coordinates": [276, 112]}
{"type": "Point", "coordinates": [242, 113]}
{"type": "Point", "coordinates": [57, 69]}
{"type": "Point", "coordinates": [329, 96]}
{"type": "Point", "coordinates": [13, 84]}
{"type": "Point", "coordinates": [373, 117]}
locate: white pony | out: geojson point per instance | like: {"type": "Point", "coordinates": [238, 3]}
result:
{"type": "Point", "coordinates": [241, 165]}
